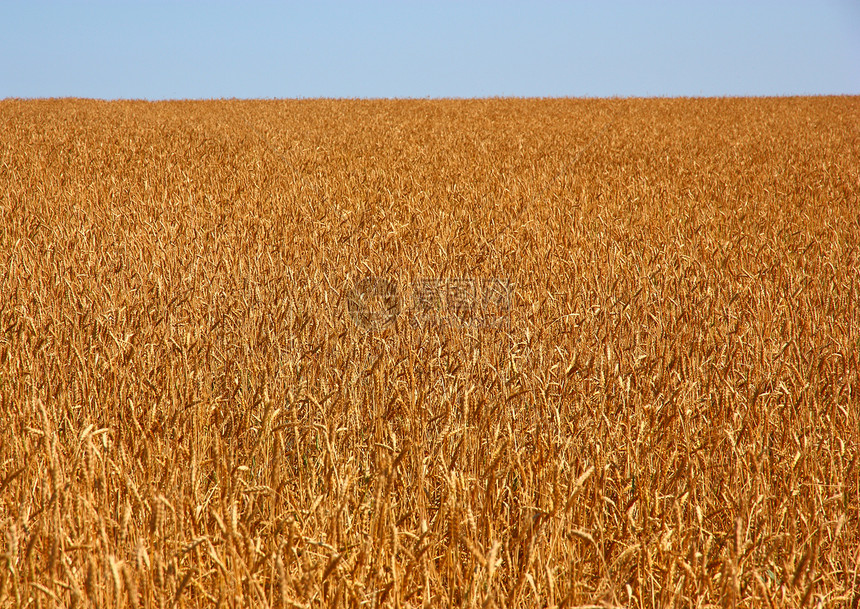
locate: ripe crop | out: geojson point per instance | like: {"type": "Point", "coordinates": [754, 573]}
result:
{"type": "Point", "coordinates": [509, 353]}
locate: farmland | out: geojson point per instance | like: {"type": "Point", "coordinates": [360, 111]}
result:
{"type": "Point", "coordinates": [440, 353]}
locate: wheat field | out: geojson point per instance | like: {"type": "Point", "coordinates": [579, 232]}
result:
{"type": "Point", "coordinates": [430, 353]}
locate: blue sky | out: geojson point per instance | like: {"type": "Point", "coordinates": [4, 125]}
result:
{"type": "Point", "coordinates": [254, 49]}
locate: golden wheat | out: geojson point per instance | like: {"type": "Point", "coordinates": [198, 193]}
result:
{"type": "Point", "coordinates": [201, 405]}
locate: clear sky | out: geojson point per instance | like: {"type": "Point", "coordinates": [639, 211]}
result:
{"type": "Point", "coordinates": [253, 49]}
